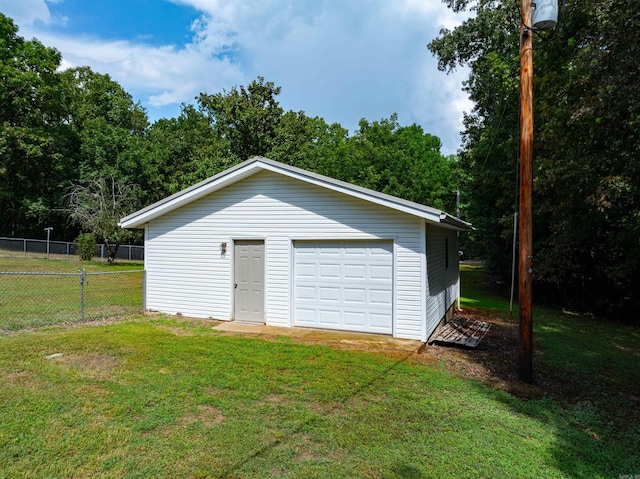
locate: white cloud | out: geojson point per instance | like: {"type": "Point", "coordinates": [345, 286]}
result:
{"type": "Point", "coordinates": [439, 16]}
{"type": "Point", "coordinates": [348, 60]}
{"type": "Point", "coordinates": [28, 12]}
{"type": "Point", "coordinates": [341, 60]}
{"type": "Point", "coordinates": [156, 75]}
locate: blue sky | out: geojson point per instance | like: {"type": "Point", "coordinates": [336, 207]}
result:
{"type": "Point", "coordinates": [342, 60]}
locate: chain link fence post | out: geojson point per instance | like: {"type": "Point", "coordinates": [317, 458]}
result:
{"type": "Point", "coordinates": [82, 281]}
{"type": "Point", "coordinates": [42, 298]}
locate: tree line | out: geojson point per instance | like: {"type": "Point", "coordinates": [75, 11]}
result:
{"type": "Point", "coordinates": [73, 139]}
{"type": "Point", "coordinates": [79, 128]}
{"type": "Point", "coordinates": [586, 147]}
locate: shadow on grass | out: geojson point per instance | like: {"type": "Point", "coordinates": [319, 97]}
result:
{"type": "Point", "coordinates": [586, 443]}
{"type": "Point", "coordinates": [586, 386]}
{"type": "Point", "coordinates": [595, 426]}
{"type": "Point", "coordinates": [404, 470]}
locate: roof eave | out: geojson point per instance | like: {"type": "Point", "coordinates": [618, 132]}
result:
{"type": "Point", "coordinates": [455, 223]}
{"type": "Point", "coordinates": [203, 188]}
{"type": "Point", "coordinates": [255, 164]}
{"type": "Point", "coordinates": [415, 209]}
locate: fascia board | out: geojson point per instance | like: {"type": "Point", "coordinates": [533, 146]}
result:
{"type": "Point", "coordinates": [141, 217]}
{"type": "Point", "coordinates": [252, 166]}
{"type": "Point", "coordinates": [433, 216]}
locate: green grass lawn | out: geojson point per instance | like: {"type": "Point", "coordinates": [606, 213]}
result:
{"type": "Point", "coordinates": [479, 290]}
{"type": "Point", "coordinates": [165, 397]}
{"type": "Point", "coordinates": [602, 354]}
{"type": "Point", "coordinates": [67, 265]}
{"type": "Point", "coordinates": [37, 300]}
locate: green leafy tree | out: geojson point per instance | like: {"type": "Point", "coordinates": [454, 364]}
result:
{"type": "Point", "coordinates": [230, 127]}
{"type": "Point", "coordinates": [183, 151]}
{"type": "Point", "coordinates": [34, 135]}
{"type": "Point", "coordinates": [87, 244]}
{"type": "Point", "coordinates": [246, 118]}
{"type": "Point", "coordinates": [488, 43]}
{"type": "Point", "coordinates": [589, 174]}
{"type": "Point", "coordinates": [110, 127]}
{"type": "Point", "coordinates": [303, 141]}
{"type": "Point", "coordinates": [57, 128]}
{"type": "Point", "coordinates": [397, 160]}
{"type": "Point", "coordinates": [586, 194]}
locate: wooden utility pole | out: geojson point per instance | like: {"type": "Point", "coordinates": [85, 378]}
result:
{"type": "Point", "coordinates": [525, 271]}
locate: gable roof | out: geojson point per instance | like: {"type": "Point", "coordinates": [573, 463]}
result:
{"type": "Point", "coordinates": [257, 164]}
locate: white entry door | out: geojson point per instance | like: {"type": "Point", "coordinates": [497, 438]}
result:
{"type": "Point", "coordinates": [345, 285]}
{"type": "Point", "coordinates": [249, 280]}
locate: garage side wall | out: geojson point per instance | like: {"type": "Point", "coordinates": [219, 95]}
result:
{"type": "Point", "coordinates": [442, 274]}
{"type": "Point", "coordinates": [187, 272]}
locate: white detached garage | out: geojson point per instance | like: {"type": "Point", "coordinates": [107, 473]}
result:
{"type": "Point", "coordinates": [264, 242]}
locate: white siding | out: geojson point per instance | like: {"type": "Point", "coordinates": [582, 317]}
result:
{"type": "Point", "coordinates": [442, 279]}
{"type": "Point", "coordinates": [187, 273]}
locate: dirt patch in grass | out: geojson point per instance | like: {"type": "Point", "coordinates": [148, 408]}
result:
{"type": "Point", "coordinates": [306, 450]}
{"type": "Point", "coordinates": [93, 365]}
{"type": "Point", "coordinates": [271, 399]}
{"type": "Point", "coordinates": [494, 363]}
{"type": "Point", "coordinates": [24, 379]}
{"type": "Point", "coordinates": [176, 331]}
{"type": "Point", "coordinates": [66, 324]}
{"type": "Point", "coordinates": [91, 391]}
{"type": "Point", "coordinates": [207, 415]}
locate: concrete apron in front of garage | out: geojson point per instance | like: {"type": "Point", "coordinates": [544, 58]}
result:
{"type": "Point", "coordinates": [338, 339]}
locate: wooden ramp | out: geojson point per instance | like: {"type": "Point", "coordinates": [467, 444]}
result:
{"type": "Point", "coordinates": [461, 332]}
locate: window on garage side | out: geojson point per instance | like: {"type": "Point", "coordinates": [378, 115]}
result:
{"type": "Point", "coordinates": [446, 253]}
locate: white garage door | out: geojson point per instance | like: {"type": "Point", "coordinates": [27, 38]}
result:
{"type": "Point", "coordinates": [345, 285]}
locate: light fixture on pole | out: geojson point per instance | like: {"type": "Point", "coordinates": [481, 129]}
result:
{"type": "Point", "coordinates": [545, 14]}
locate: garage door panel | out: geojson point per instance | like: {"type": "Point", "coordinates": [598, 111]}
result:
{"type": "Point", "coordinates": [381, 272]}
{"type": "Point", "coordinates": [378, 320]}
{"type": "Point", "coordinates": [378, 251]}
{"type": "Point", "coordinates": [355, 271]}
{"type": "Point", "coordinates": [306, 270]}
{"type": "Point", "coordinates": [329, 316]}
{"type": "Point", "coordinates": [380, 296]}
{"type": "Point", "coordinates": [344, 285]}
{"type": "Point", "coordinates": [328, 271]}
{"type": "Point", "coordinates": [306, 315]}
{"type": "Point", "coordinates": [355, 295]}
{"type": "Point", "coordinates": [327, 250]}
{"type": "Point", "coordinates": [306, 293]}
{"type": "Point", "coordinates": [355, 318]}
{"type": "Point", "coordinates": [329, 294]}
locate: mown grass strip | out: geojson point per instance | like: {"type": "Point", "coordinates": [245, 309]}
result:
{"type": "Point", "coordinates": [170, 398]}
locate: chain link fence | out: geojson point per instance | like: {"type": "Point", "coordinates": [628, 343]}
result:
{"type": "Point", "coordinates": [30, 299]}
{"type": "Point", "coordinates": [33, 248]}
